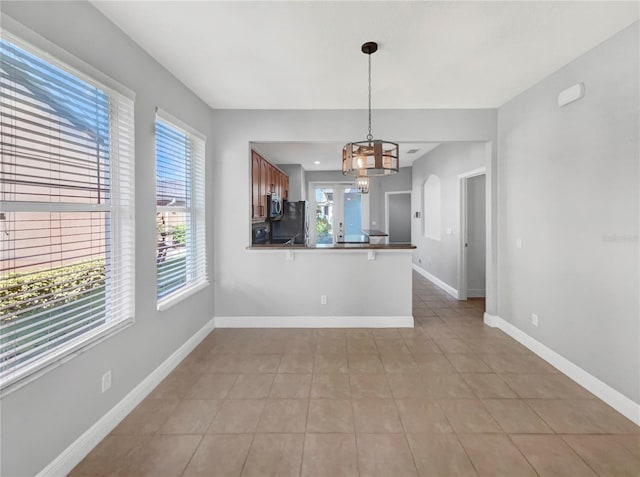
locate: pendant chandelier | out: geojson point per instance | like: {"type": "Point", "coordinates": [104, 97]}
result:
{"type": "Point", "coordinates": [362, 183]}
{"type": "Point", "coordinates": [372, 157]}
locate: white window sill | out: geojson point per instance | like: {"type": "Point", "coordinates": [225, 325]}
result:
{"type": "Point", "coordinates": [179, 295]}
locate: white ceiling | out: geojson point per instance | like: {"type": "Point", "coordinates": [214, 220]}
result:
{"type": "Point", "coordinates": [306, 54]}
{"type": "Point", "coordinates": [328, 154]}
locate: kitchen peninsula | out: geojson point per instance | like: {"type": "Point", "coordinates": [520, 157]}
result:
{"type": "Point", "coordinates": [330, 286]}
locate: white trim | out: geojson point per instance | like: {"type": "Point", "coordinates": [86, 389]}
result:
{"type": "Point", "coordinates": [314, 321]}
{"type": "Point", "coordinates": [472, 173]}
{"type": "Point", "coordinates": [436, 281]}
{"type": "Point", "coordinates": [179, 295]}
{"type": "Point", "coordinates": [78, 450]}
{"type": "Point", "coordinates": [615, 399]}
{"type": "Point", "coordinates": [386, 209]}
{"type": "Point", "coordinates": [491, 320]}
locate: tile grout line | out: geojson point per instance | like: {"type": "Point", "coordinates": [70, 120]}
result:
{"type": "Point", "coordinates": [353, 417]}
{"type": "Point", "coordinates": [522, 454]}
{"type": "Point", "coordinates": [186, 466]}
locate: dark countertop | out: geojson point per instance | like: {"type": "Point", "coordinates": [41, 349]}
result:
{"type": "Point", "coordinates": [374, 233]}
{"type": "Point", "coordinates": [338, 246]}
{"type": "Point", "coordinates": [360, 238]}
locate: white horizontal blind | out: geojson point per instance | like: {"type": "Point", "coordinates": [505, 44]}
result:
{"type": "Point", "coordinates": [181, 255]}
{"type": "Point", "coordinates": [66, 216]}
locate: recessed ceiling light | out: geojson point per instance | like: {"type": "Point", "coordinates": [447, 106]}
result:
{"type": "Point", "coordinates": [412, 151]}
{"type": "Point", "coordinates": [316, 162]}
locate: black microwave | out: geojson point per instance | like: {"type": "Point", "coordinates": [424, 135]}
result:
{"type": "Point", "coordinates": [274, 207]}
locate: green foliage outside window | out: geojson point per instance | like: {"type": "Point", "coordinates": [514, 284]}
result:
{"type": "Point", "coordinates": [42, 290]}
{"type": "Point", "coordinates": [179, 234]}
{"type": "Point", "coordinates": [323, 228]}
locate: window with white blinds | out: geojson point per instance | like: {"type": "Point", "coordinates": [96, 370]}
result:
{"type": "Point", "coordinates": [66, 210]}
{"type": "Point", "coordinates": [180, 215]}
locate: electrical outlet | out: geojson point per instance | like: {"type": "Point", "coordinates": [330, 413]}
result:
{"type": "Point", "coordinates": [534, 319]}
{"type": "Point", "coordinates": [518, 242]}
{"type": "Point", "coordinates": [106, 381]}
{"type": "Point", "coordinates": [323, 299]}
{"type": "Point", "coordinates": [419, 260]}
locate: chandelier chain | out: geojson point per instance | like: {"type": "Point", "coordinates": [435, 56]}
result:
{"type": "Point", "coordinates": [369, 136]}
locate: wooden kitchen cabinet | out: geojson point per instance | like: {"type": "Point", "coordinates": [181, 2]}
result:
{"type": "Point", "coordinates": [265, 179]}
{"type": "Point", "coordinates": [257, 206]}
{"type": "Point", "coordinates": [278, 182]}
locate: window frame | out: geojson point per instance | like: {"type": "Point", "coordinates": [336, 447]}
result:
{"type": "Point", "coordinates": [197, 253]}
{"type": "Point", "coordinates": [121, 207]}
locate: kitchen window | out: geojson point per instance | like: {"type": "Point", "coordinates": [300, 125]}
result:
{"type": "Point", "coordinates": [180, 215]}
{"type": "Point", "coordinates": [66, 211]}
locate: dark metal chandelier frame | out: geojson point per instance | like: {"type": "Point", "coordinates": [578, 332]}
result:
{"type": "Point", "coordinates": [372, 157]}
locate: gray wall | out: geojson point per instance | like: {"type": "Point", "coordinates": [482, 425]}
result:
{"type": "Point", "coordinates": [476, 236]}
{"type": "Point", "coordinates": [393, 183]}
{"type": "Point", "coordinates": [568, 187]}
{"type": "Point", "coordinates": [297, 185]}
{"type": "Point", "coordinates": [241, 287]}
{"type": "Point", "coordinates": [447, 161]}
{"type": "Point", "coordinates": [41, 419]}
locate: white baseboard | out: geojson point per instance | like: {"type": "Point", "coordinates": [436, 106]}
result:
{"type": "Point", "coordinates": [436, 281]}
{"type": "Point", "coordinates": [615, 399]}
{"type": "Point", "coordinates": [78, 450]}
{"type": "Point", "coordinates": [314, 321]}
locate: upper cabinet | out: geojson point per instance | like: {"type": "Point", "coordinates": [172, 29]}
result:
{"type": "Point", "coordinates": [286, 187]}
{"type": "Point", "coordinates": [256, 187]}
{"type": "Point", "coordinates": [265, 179]}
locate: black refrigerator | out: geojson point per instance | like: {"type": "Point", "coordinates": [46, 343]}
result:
{"type": "Point", "coordinates": [294, 224]}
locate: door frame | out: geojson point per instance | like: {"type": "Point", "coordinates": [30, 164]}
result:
{"type": "Point", "coordinates": [386, 210]}
{"type": "Point", "coordinates": [312, 204]}
{"type": "Point", "coordinates": [462, 248]}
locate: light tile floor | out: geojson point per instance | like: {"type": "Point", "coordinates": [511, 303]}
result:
{"type": "Point", "coordinates": [449, 397]}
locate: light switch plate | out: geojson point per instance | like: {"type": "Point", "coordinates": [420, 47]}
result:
{"type": "Point", "coordinates": [534, 319]}
{"type": "Point", "coordinates": [106, 381]}
{"type": "Point", "coordinates": [571, 94]}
